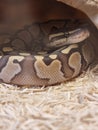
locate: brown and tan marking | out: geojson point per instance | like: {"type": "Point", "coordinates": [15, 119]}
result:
{"type": "Point", "coordinates": [69, 57]}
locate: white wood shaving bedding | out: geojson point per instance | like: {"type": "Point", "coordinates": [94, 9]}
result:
{"type": "Point", "coordinates": [70, 106]}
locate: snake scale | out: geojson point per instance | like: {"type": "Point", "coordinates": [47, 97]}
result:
{"type": "Point", "coordinates": [45, 53]}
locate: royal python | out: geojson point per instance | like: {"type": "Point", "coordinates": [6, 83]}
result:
{"type": "Point", "coordinates": [48, 53]}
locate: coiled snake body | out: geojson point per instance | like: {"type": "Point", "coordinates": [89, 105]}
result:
{"type": "Point", "coordinates": [45, 54]}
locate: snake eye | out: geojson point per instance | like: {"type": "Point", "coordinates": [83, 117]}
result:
{"type": "Point", "coordinates": [54, 29]}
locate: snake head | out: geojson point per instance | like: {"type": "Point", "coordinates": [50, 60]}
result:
{"type": "Point", "coordinates": [60, 39]}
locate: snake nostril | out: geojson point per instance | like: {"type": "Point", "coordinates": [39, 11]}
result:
{"type": "Point", "coordinates": [66, 34]}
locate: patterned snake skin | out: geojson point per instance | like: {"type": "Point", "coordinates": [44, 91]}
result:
{"type": "Point", "coordinates": [45, 53]}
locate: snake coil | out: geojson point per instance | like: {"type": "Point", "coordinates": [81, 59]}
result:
{"type": "Point", "coordinates": [45, 54]}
